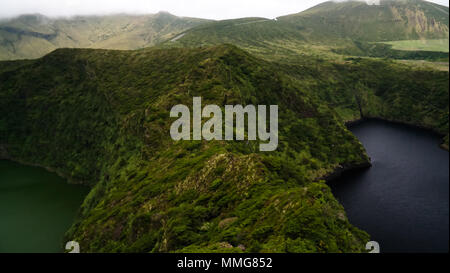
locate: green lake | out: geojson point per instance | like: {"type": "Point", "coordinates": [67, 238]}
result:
{"type": "Point", "coordinates": [36, 208]}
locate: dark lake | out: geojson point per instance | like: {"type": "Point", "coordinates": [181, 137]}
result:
{"type": "Point", "coordinates": [403, 200]}
{"type": "Point", "coordinates": [36, 208]}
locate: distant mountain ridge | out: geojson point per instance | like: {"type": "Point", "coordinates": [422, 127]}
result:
{"type": "Point", "coordinates": [388, 21]}
{"type": "Point", "coordinates": [334, 31]}
{"type": "Point", "coordinates": [32, 36]}
{"type": "Point", "coordinates": [334, 25]}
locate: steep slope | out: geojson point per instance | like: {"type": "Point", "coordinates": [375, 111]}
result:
{"type": "Point", "coordinates": [390, 20]}
{"type": "Point", "coordinates": [32, 36]}
{"type": "Point", "coordinates": [365, 88]}
{"type": "Point", "coordinates": [269, 39]}
{"type": "Point", "coordinates": [332, 30]}
{"type": "Point", "coordinates": [257, 33]}
{"type": "Point", "coordinates": [102, 117]}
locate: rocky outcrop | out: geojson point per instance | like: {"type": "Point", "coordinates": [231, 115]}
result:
{"type": "Point", "coordinates": [341, 169]}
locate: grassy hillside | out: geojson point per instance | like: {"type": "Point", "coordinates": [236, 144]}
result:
{"type": "Point", "coordinates": [248, 32]}
{"type": "Point", "coordinates": [102, 117]}
{"type": "Point", "coordinates": [332, 31]}
{"type": "Point", "coordinates": [32, 36]}
{"type": "Point", "coordinates": [391, 50]}
{"type": "Point", "coordinates": [440, 45]}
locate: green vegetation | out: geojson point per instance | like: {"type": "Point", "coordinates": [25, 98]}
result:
{"type": "Point", "coordinates": [377, 50]}
{"type": "Point", "coordinates": [329, 30]}
{"type": "Point", "coordinates": [101, 117]}
{"type": "Point", "coordinates": [152, 194]}
{"type": "Point", "coordinates": [333, 31]}
{"type": "Point", "coordinates": [393, 20]}
{"type": "Point", "coordinates": [332, 70]}
{"type": "Point", "coordinates": [70, 111]}
{"type": "Point", "coordinates": [440, 45]}
{"type": "Point", "coordinates": [383, 89]}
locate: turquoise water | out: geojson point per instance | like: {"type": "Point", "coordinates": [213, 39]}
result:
{"type": "Point", "coordinates": [36, 208]}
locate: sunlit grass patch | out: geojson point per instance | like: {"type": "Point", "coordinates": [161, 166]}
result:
{"type": "Point", "coordinates": [439, 45]}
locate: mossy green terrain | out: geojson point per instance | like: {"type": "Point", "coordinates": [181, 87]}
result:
{"type": "Point", "coordinates": [387, 51]}
{"type": "Point", "coordinates": [364, 88]}
{"type": "Point", "coordinates": [375, 85]}
{"type": "Point", "coordinates": [72, 111]}
{"type": "Point", "coordinates": [101, 117]}
{"type": "Point", "coordinates": [331, 30]}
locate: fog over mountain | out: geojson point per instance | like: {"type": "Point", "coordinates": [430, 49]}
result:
{"type": "Point", "coordinates": [195, 8]}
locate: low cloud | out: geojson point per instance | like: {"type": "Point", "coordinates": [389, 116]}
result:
{"type": "Point", "coordinates": [220, 9]}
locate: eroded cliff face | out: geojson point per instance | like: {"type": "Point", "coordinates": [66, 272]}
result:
{"type": "Point", "coordinates": [387, 21]}
{"type": "Point", "coordinates": [417, 22]}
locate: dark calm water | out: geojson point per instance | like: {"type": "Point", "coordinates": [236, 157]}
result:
{"type": "Point", "coordinates": [403, 200]}
{"type": "Point", "coordinates": [36, 208]}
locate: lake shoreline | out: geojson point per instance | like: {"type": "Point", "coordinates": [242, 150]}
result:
{"type": "Point", "coordinates": [345, 169]}
{"type": "Point", "coordinates": [38, 208]}
{"type": "Point", "coordinates": [402, 202]}
{"type": "Point", "coordinates": [356, 122]}
{"type": "Point", "coordinates": [5, 156]}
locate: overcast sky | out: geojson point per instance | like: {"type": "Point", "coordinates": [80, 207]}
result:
{"type": "Point", "coordinates": [209, 9]}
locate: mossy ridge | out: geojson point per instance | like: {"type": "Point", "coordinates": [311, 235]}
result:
{"type": "Point", "coordinates": [143, 197]}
